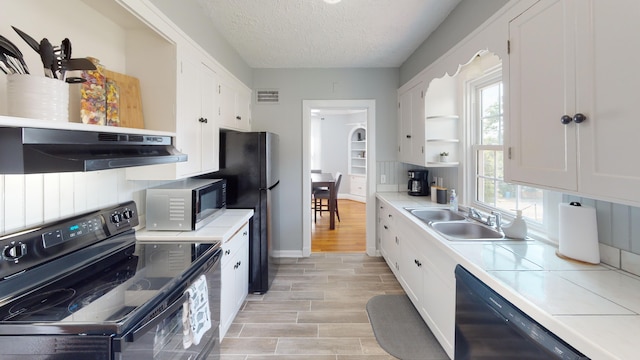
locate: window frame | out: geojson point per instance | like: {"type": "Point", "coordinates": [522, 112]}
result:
{"type": "Point", "coordinates": [472, 105]}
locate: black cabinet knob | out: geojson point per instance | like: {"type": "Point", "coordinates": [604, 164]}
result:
{"type": "Point", "coordinates": [408, 136]}
{"type": "Point", "coordinates": [566, 119]}
{"type": "Point", "coordinates": [238, 117]}
{"type": "Point", "coordinates": [578, 118]}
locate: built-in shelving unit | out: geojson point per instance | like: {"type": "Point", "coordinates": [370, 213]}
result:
{"type": "Point", "coordinates": [442, 136]}
{"type": "Point", "coordinates": [358, 151]}
{"type": "Point", "coordinates": [358, 162]}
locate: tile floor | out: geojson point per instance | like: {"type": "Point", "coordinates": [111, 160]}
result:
{"type": "Point", "coordinates": [315, 310]}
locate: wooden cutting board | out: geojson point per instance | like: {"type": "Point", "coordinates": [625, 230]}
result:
{"type": "Point", "coordinates": [130, 99]}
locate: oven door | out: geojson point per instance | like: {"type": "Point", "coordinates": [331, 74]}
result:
{"type": "Point", "coordinates": [161, 335]}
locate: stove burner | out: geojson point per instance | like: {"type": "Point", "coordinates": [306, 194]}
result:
{"type": "Point", "coordinates": [39, 302]}
{"type": "Point", "coordinates": [142, 284]}
{"type": "Point", "coordinates": [90, 296]}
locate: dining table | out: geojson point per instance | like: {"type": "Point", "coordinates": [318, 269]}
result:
{"type": "Point", "coordinates": [327, 180]}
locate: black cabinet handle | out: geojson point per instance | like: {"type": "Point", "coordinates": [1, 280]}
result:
{"type": "Point", "coordinates": [238, 117]}
{"type": "Point", "coordinates": [386, 227]}
{"type": "Point", "coordinates": [578, 118]}
{"type": "Point", "coordinates": [203, 120]}
{"type": "Point", "coordinates": [408, 136]}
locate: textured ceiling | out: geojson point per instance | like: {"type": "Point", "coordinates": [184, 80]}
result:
{"type": "Point", "coordinates": [314, 34]}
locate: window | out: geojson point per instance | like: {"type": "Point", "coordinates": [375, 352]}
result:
{"type": "Point", "coordinates": [489, 190]}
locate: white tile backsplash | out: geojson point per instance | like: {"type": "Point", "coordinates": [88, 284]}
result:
{"type": "Point", "coordinates": [33, 199]}
{"type": "Point", "coordinates": [610, 255]}
{"type": "Point", "coordinates": [630, 262]}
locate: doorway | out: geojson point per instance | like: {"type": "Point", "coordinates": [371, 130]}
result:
{"type": "Point", "coordinates": [367, 121]}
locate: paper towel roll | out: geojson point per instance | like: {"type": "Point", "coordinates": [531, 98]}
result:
{"type": "Point", "coordinates": [578, 236]}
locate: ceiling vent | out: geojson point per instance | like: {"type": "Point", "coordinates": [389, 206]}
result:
{"type": "Point", "coordinates": [267, 96]}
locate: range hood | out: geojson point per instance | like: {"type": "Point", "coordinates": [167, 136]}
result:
{"type": "Point", "coordinates": [25, 150]}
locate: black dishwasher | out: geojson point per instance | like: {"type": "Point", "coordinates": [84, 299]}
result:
{"type": "Point", "coordinates": [490, 327]}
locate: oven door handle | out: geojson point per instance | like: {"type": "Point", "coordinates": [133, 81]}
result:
{"type": "Point", "coordinates": [139, 332]}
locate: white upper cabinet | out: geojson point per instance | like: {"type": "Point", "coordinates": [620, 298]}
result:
{"type": "Point", "coordinates": [235, 106]}
{"type": "Point", "coordinates": [411, 124]}
{"type": "Point", "coordinates": [542, 89]}
{"type": "Point", "coordinates": [607, 78]}
{"type": "Point", "coordinates": [572, 97]}
{"type": "Point", "coordinates": [196, 124]}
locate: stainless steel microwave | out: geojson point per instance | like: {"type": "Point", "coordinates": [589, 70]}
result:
{"type": "Point", "coordinates": [186, 204]}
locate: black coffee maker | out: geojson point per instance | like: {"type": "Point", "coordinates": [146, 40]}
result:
{"type": "Point", "coordinates": [418, 183]}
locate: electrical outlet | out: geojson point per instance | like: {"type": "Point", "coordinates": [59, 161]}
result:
{"type": "Point", "coordinates": [383, 179]}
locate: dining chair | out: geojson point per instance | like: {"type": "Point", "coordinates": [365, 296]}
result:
{"type": "Point", "coordinates": [321, 194]}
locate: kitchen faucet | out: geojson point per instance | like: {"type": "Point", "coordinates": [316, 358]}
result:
{"type": "Point", "coordinates": [494, 219]}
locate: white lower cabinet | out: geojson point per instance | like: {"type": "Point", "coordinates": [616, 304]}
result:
{"type": "Point", "coordinates": [387, 235]}
{"type": "Point", "coordinates": [358, 185]}
{"type": "Point", "coordinates": [424, 270]}
{"type": "Point", "coordinates": [235, 277]}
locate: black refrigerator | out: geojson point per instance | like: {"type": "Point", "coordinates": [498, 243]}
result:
{"type": "Point", "coordinates": [249, 163]}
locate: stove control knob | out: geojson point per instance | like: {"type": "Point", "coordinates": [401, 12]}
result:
{"type": "Point", "coordinates": [116, 218]}
{"type": "Point", "coordinates": [14, 252]}
{"type": "Point", "coordinates": [127, 214]}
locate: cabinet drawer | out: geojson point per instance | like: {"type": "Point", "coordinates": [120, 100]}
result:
{"type": "Point", "coordinates": [358, 185]}
{"type": "Point", "coordinates": [234, 243]}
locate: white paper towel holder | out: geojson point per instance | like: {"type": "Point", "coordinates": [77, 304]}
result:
{"type": "Point", "coordinates": [581, 248]}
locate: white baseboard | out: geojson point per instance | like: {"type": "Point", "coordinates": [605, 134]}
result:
{"type": "Point", "coordinates": [361, 199]}
{"type": "Point", "coordinates": [287, 253]}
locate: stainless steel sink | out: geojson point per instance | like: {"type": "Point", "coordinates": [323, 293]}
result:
{"type": "Point", "coordinates": [434, 215]}
{"type": "Point", "coordinates": [460, 230]}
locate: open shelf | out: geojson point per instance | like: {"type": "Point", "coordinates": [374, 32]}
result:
{"type": "Point", "coordinates": [444, 117]}
{"type": "Point", "coordinates": [444, 140]}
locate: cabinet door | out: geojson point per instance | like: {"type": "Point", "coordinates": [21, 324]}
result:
{"type": "Point", "coordinates": [418, 137]}
{"type": "Point", "coordinates": [607, 94]}
{"type": "Point", "coordinates": [210, 135]}
{"type": "Point", "coordinates": [227, 294]}
{"type": "Point", "coordinates": [242, 272]}
{"type": "Point", "coordinates": [358, 185]}
{"type": "Point", "coordinates": [439, 288]}
{"type": "Point", "coordinates": [541, 90]}
{"type": "Point", "coordinates": [386, 233]}
{"type": "Point", "coordinates": [227, 104]}
{"type": "Point", "coordinates": [411, 266]}
{"type": "Point", "coordinates": [243, 109]}
{"type": "Point", "coordinates": [411, 126]}
{"type": "Point", "coordinates": [188, 139]}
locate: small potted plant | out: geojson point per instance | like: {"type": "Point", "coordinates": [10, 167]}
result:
{"type": "Point", "coordinates": [444, 156]}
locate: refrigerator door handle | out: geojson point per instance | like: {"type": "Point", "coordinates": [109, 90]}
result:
{"type": "Point", "coordinates": [274, 185]}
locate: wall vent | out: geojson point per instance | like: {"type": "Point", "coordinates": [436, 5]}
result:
{"type": "Point", "coordinates": [267, 96]}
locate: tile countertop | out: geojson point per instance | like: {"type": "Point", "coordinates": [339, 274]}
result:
{"type": "Point", "coordinates": [222, 228]}
{"type": "Point", "coordinates": [595, 308]}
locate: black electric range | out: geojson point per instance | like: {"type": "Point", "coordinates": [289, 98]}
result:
{"type": "Point", "coordinates": [84, 288]}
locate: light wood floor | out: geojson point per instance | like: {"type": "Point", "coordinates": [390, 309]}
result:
{"type": "Point", "coordinates": [315, 310]}
{"type": "Point", "coordinates": [349, 234]}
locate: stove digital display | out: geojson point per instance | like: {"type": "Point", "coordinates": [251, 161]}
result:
{"type": "Point", "coordinates": [59, 236]}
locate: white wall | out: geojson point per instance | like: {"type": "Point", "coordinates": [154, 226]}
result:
{"type": "Point", "coordinates": [335, 131]}
{"type": "Point", "coordinates": [463, 20]}
{"type": "Point", "coordinates": [285, 119]}
{"type": "Point", "coordinates": [334, 146]}
{"type": "Point", "coordinates": [192, 19]}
